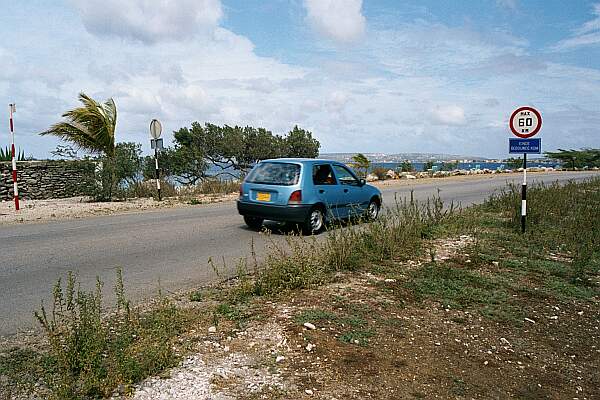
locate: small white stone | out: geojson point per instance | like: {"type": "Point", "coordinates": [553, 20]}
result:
{"type": "Point", "coordinates": [390, 280]}
{"type": "Point", "coordinates": [438, 344]}
{"type": "Point", "coordinates": [310, 347]}
{"type": "Point", "coordinates": [310, 326]}
{"type": "Point", "coordinates": [212, 329]}
{"type": "Point", "coordinates": [279, 359]}
{"type": "Point", "coordinates": [308, 392]}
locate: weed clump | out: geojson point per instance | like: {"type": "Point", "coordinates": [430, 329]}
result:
{"type": "Point", "coordinates": [91, 354]}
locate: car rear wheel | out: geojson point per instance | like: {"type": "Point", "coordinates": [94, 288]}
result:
{"type": "Point", "coordinates": [373, 210]}
{"type": "Point", "coordinates": [314, 222]}
{"type": "Point", "coordinates": [253, 222]}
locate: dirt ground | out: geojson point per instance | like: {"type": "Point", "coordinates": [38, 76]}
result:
{"type": "Point", "coordinates": [365, 336]}
{"type": "Point", "coordinates": [82, 207]}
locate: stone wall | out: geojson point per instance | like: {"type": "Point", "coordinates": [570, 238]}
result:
{"type": "Point", "coordinates": [47, 179]}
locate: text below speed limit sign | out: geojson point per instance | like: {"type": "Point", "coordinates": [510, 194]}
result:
{"type": "Point", "coordinates": [525, 122]}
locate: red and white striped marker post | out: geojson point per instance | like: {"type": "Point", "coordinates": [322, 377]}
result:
{"type": "Point", "coordinates": [12, 110]}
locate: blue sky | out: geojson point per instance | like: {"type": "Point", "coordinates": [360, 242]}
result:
{"type": "Point", "coordinates": [370, 76]}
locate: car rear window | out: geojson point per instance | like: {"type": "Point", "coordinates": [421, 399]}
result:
{"type": "Point", "coordinates": [271, 173]}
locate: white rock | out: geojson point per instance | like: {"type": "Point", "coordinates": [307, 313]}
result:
{"type": "Point", "coordinates": [279, 359]}
{"type": "Point", "coordinates": [310, 347]}
{"type": "Point", "coordinates": [505, 341]}
{"type": "Point", "coordinates": [389, 280]}
{"type": "Point", "coordinates": [411, 177]}
{"type": "Point", "coordinates": [212, 329]}
{"type": "Point", "coordinates": [308, 392]}
{"type": "Point", "coordinates": [310, 326]}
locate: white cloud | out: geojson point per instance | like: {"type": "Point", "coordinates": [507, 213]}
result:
{"type": "Point", "coordinates": [420, 86]}
{"type": "Point", "coordinates": [449, 115]}
{"type": "Point", "coordinates": [149, 21]}
{"type": "Point", "coordinates": [586, 35]}
{"type": "Point", "coordinates": [340, 20]}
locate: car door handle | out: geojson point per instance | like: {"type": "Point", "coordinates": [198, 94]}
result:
{"type": "Point", "coordinates": [321, 191]}
{"type": "Point", "coordinates": [345, 190]}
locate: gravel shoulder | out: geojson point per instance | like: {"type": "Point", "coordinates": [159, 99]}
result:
{"type": "Point", "coordinates": [83, 207]}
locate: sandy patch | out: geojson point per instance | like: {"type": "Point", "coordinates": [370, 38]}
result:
{"type": "Point", "coordinates": [82, 207]}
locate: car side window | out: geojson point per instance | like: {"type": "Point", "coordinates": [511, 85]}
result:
{"type": "Point", "coordinates": [323, 175]}
{"type": "Point", "coordinates": [345, 176]}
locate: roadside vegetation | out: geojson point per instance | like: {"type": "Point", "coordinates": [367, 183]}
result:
{"type": "Point", "coordinates": [584, 158]}
{"type": "Point", "coordinates": [428, 293]}
{"type": "Point", "coordinates": [202, 159]}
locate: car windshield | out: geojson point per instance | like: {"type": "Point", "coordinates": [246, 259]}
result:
{"type": "Point", "coordinates": [275, 173]}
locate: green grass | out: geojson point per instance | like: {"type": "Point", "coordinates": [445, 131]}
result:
{"type": "Point", "coordinates": [359, 337]}
{"type": "Point", "coordinates": [315, 315]}
{"type": "Point", "coordinates": [509, 271]}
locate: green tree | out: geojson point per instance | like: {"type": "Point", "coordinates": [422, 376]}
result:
{"type": "Point", "coordinates": [577, 158]}
{"type": "Point", "coordinates": [449, 166]}
{"type": "Point", "coordinates": [300, 143]}
{"type": "Point", "coordinates": [428, 165]}
{"type": "Point", "coordinates": [514, 163]}
{"type": "Point", "coordinates": [120, 170]}
{"type": "Point", "coordinates": [406, 166]}
{"type": "Point", "coordinates": [361, 164]}
{"type": "Point", "coordinates": [234, 149]}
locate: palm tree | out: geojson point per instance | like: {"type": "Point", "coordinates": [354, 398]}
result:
{"type": "Point", "coordinates": [90, 127]}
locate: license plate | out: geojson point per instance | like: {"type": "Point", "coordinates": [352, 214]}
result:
{"type": "Point", "coordinates": [263, 196]}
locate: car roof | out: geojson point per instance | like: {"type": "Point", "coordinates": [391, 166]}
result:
{"type": "Point", "coordinates": [303, 160]}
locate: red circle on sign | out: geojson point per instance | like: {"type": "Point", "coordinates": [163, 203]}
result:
{"type": "Point", "coordinates": [533, 132]}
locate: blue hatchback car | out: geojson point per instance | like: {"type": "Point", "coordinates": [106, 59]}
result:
{"type": "Point", "coordinates": [308, 192]}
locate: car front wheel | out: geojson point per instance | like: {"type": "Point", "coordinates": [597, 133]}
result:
{"type": "Point", "coordinates": [373, 210]}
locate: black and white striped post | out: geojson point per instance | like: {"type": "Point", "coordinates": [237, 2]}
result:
{"type": "Point", "coordinates": [524, 123]}
{"type": "Point", "coordinates": [156, 143]}
{"type": "Point", "coordinates": [524, 194]}
{"type": "Point", "coordinates": [12, 109]}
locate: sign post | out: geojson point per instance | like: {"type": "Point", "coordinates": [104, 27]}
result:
{"type": "Point", "coordinates": [524, 123]}
{"type": "Point", "coordinates": [12, 109]}
{"type": "Point", "coordinates": [156, 143]}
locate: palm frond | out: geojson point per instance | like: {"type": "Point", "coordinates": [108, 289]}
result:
{"type": "Point", "coordinates": [90, 127]}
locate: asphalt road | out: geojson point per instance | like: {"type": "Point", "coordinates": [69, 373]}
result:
{"type": "Point", "coordinates": [170, 246]}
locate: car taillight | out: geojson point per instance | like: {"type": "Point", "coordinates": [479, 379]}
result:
{"type": "Point", "coordinates": [295, 197]}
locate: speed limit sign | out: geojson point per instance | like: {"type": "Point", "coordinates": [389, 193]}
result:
{"type": "Point", "coordinates": [525, 122]}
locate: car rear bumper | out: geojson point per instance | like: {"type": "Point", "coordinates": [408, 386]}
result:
{"type": "Point", "coordinates": [288, 213]}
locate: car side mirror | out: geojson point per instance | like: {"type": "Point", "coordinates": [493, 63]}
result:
{"type": "Point", "coordinates": [362, 182]}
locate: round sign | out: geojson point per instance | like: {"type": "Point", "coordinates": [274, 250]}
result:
{"type": "Point", "coordinates": [525, 122]}
{"type": "Point", "coordinates": [155, 129]}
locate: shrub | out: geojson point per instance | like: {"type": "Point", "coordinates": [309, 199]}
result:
{"type": "Point", "coordinates": [380, 173]}
{"type": "Point", "coordinates": [93, 355]}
